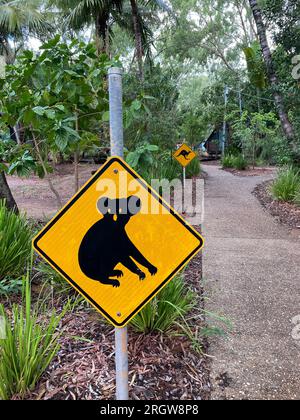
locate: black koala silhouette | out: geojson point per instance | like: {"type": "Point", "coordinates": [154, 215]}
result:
{"type": "Point", "coordinates": [184, 154]}
{"type": "Point", "coordinates": [107, 244]}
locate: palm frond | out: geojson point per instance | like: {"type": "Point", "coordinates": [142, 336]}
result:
{"type": "Point", "coordinates": [18, 15]}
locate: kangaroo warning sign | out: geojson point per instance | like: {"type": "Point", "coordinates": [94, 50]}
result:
{"type": "Point", "coordinates": [184, 155]}
{"type": "Point", "coordinates": [117, 242]}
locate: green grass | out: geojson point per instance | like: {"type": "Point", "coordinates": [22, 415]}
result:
{"type": "Point", "coordinates": [29, 346]}
{"type": "Point", "coordinates": [15, 243]}
{"type": "Point", "coordinates": [286, 185]}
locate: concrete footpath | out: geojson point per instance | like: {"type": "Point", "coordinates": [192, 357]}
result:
{"type": "Point", "coordinates": [251, 268]}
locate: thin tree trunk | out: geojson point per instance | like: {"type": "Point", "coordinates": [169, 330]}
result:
{"type": "Point", "coordinates": [50, 183]}
{"type": "Point", "coordinates": [5, 193]}
{"type": "Point", "coordinates": [76, 170]}
{"type": "Point", "coordinates": [138, 37]}
{"type": "Point", "coordinates": [261, 29]}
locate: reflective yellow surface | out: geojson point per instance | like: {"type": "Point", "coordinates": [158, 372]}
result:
{"type": "Point", "coordinates": [162, 237]}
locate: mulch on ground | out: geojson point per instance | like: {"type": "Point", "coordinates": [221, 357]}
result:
{"type": "Point", "coordinates": [286, 213]}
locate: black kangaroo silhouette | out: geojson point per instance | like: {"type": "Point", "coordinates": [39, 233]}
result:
{"type": "Point", "coordinates": [106, 244]}
{"type": "Point", "coordinates": [185, 154]}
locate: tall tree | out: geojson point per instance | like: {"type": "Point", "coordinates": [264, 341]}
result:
{"type": "Point", "coordinates": [83, 13]}
{"type": "Point", "coordinates": [272, 76]}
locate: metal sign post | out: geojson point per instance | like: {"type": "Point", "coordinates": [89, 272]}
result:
{"type": "Point", "coordinates": [117, 149]}
{"type": "Point", "coordinates": [183, 189]}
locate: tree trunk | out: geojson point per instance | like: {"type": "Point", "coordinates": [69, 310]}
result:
{"type": "Point", "coordinates": [138, 37]}
{"type": "Point", "coordinates": [101, 26]}
{"type": "Point", "coordinates": [5, 193]}
{"type": "Point", "coordinates": [262, 34]}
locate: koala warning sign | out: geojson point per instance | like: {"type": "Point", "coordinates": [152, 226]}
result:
{"type": "Point", "coordinates": [184, 155]}
{"type": "Point", "coordinates": [117, 242]}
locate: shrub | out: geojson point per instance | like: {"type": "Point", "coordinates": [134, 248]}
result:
{"type": "Point", "coordinates": [286, 185]}
{"type": "Point", "coordinates": [237, 162]}
{"type": "Point", "coordinates": [240, 163]}
{"type": "Point", "coordinates": [171, 304]}
{"type": "Point", "coordinates": [28, 348]}
{"type": "Point", "coordinates": [15, 243]}
{"type": "Point", "coordinates": [228, 161]}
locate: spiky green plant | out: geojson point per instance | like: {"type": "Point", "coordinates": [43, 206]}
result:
{"type": "Point", "coordinates": [172, 303]}
{"type": "Point", "coordinates": [28, 346]}
{"type": "Point", "coordinates": [15, 243]}
{"type": "Point", "coordinates": [286, 184]}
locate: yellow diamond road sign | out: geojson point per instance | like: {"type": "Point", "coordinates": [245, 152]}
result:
{"type": "Point", "coordinates": [184, 155]}
{"type": "Point", "coordinates": [117, 242]}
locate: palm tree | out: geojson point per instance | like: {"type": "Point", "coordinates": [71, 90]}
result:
{"type": "Point", "coordinates": [141, 31]}
{"type": "Point", "coordinates": [18, 18]}
{"type": "Point", "coordinates": [102, 14]}
{"type": "Point", "coordinates": [262, 34]}
{"type": "Point", "coordinates": [82, 13]}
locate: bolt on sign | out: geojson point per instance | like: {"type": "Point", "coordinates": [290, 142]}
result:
{"type": "Point", "coordinates": [117, 242]}
{"type": "Point", "coordinates": [184, 155]}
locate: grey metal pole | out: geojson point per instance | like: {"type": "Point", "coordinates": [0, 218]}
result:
{"type": "Point", "coordinates": [116, 111]}
{"type": "Point", "coordinates": [226, 91]}
{"type": "Point", "coordinates": [117, 149]}
{"type": "Point", "coordinates": [183, 189]}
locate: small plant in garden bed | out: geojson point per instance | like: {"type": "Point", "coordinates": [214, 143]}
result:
{"type": "Point", "coordinates": [10, 287]}
{"type": "Point", "coordinates": [234, 162]}
{"type": "Point", "coordinates": [286, 185]}
{"type": "Point", "coordinates": [29, 346]}
{"type": "Point", "coordinates": [15, 243]}
{"type": "Point", "coordinates": [172, 303]}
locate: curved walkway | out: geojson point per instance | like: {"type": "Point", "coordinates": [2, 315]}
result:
{"type": "Point", "coordinates": [252, 269]}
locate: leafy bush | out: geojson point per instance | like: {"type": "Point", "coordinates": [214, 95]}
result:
{"type": "Point", "coordinates": [237, 162]}
{"type": "Point", "coordinates": [171, 304]}
{"type": "Point", "coordinates": [287, 184]}
{"type": "Point", "coordinates": [15, 243]}
{"type": "Point", "coordinates": [240, 163]}
{"type": "Point", "coordinates": [228, 161]}
{"type": "Point", "coordinates": [28, 347]}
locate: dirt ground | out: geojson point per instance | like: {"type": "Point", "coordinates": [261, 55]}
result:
{"type": "Point", "coordinates": [251, 172]}
{"type": "Point", "coordinates": [34, 197]}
